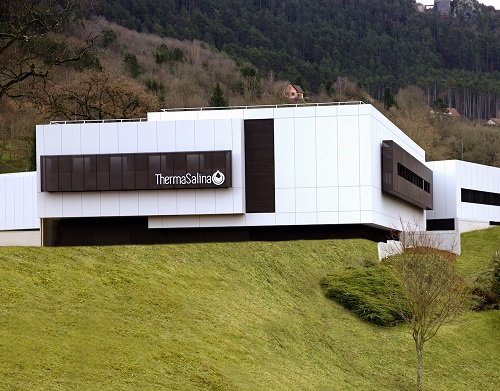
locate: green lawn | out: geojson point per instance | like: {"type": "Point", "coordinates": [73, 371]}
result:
{"type": "Point", "coordinates": [234, 316]}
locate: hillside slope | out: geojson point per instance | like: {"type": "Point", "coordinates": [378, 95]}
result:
{"type": "Point", "coordinates": [235, 316]}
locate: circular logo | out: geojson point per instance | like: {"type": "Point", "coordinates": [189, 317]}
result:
{"type": "Point", "coordinates": [218, 178]}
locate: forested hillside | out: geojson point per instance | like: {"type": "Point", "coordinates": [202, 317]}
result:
{"type": "Point", "coordinates": [377, 43]}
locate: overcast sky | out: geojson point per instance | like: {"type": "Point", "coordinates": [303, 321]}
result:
{"type": "Point", "coordinates": [494, 3]}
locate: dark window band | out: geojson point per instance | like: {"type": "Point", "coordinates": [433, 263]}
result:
{"type": "Point", "coordinates": [441, 225]}
{"type": "Point", "coordinates": [480, 197]}
{"type": "Point", "coordinates": [139, 171]}
{"type": "Point", "coordinates": [410, 176]}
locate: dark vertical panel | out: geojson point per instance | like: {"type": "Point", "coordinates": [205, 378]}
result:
{"type": "Point", "coordinates": [180, 166]}
{"type": "Point", "coordinates": [167, 167]}
{"type": "Point", "coordinates": [103, 172]}
{"type": "Point", "coordinates": [77, 183]}
{"type": "Point", "coordinates": [128, 167]}
{"type": "Point", "coordinates": [154, 167]}
{"type": "Point", "coordinates": [193, 166]}
{"type": "Point", "coordinates": [115, 172]}
{"type": "Point", "coordinates": [259, 166]}
{"type": "Point", "coordinates": [90, 172]}
{"type": "Point", "coordinates": [52, 173]}
{"type": "Point", "coordinates": [65, 173]}
{"type": "Point", "coordinates": [141, 171]}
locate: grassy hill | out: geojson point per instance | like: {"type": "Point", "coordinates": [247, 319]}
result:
{"type": "Point", "coordinates": [234, 316]}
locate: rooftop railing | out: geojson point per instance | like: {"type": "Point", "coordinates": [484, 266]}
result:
{"type": "Point", "coordinates": [97, 121]}
{"type": "Point", "coordinates": [357, 102]}
{"type": "Point", "coordinates": [100, 121]}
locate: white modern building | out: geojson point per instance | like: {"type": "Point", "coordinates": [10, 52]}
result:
{"type": "Point", "coordinates": [226, 174]}
{"type": "Point", "coordinates": [467, 196]}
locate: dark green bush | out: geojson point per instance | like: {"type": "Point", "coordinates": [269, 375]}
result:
{"type": "Point", "coordinates": [486, 289]}
{"type": "Point", "coordinates": [163, 54]}
{"type": "Point", "coordinates": [369, 291]}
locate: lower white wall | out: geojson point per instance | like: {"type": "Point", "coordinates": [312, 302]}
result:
{"type": "Point", "coordinates": [21, 238]}
{"type": "Point", "coordinates": [471, 225]}
{"type": "Point", "coordinates": [18, 206]}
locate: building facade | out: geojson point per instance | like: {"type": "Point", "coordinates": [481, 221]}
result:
{"type": "Point", "coordinates": [229, 174]}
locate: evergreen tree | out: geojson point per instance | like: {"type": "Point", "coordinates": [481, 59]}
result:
{"type": "Point", "coordinates": [388, 99]}
{"type": "Point", "coordinates": [217, 99]}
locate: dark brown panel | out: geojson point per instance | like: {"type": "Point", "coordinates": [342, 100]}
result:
{"type": "Point", "coordinates": [77, 182]}
{"type": "Point", "coordinates": [128, 167]}
{"type": "Point", "coordinates": [259, 166]}
{"type": "Point", "coordinates": [136, 171]}
{"type": "Point", "coordinates": [154, 167]}
{"type": "Point", "coordinates": [90, 172]}
{"type": "Point", "coordinates": [115, 172]}
{"type": "Point", "coordinates": [51, 179]}
{"type": "Point", "coordinates": [102, 172]}
{"type": "Point", "coordinates": [65, 173]}
{"type": "Point", "coordinates": [405, 177]}
{"type": "Point", "coordinates": [141, 171]}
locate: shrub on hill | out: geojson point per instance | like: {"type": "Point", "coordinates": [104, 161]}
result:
{"type": "Point", "coordinates": [487, 286]}
{"type": "Point", "coordinates": [369, 291]}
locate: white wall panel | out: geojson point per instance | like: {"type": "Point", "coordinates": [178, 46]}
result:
{"type": "Point", "coordinates": [72, 204]}
{"type": "Point", "coordinates": [110, 203]}
{"type": "Point", "coordinates": [129, 203]}
{"type": "Point", "coordinates": [204, 135]}
{"type": "Point", "coordinates": [284, 153]}
{"type": "Point", "coordinates": [284, 112]}
{"type": "Point", "coordinates": [352, 110]}
{"type": "Point", "coordinates": [146, 137]}
{"type": "Point", "coordinates": [328, 217]}
{"type": "Point", "coordinates": [186, 202]}
{"type": "Point", "coordinates": [366, 141]}
{"type": "Point", "coordinates": [305, 152]}
{"type": "Point", "coordinates": [224, 202]}
{"type": "Point", "coordinates": [328, 199]}
{"type": "Point", "coordinates": [52, 140]}
{"type": "Point", "coordinates": [127, 137]}
{"type": "Point", "coordinates": [326, 111]}
{"type": "Point", "coordinates": [305, 200]}
{"type": "Point", "coordinates": [205, 201]}
{"type": "Point", "coordinates": [349, 199]}
{"type": "Point", "coordinates": [53, 205]}
{"type": "Point", "coordinates": [167, 202]}
{"type": "Point", "coordinates": [148, 203]}
{"type": "Point", "coordinates": [3, 203]}
{"type": "Point", "coordinates": [71, 139]}
{"type": "Point", "coordinates": [353, 217]}
{"type": "Point", "coordinates": [238, 156]}
{"type": "Point", "coordinates": [348, 151]}
{"type": "Point", "coordinates": [18, 202]}
{"type": "Point", "coordinates": [108, 138]}
{"type": "Point", "coordinates": [91, 204]}
{"type": "Point", "coordinates": [165, 132]}
{"type": "Point", "coordinates": [184, 136]}
{"type": "Point", "coordinates": [306, 218]}
{"type": "Point", "coordinates": [285, 200]}
{"type": "Point", "coordinates": [89, 138]}
{"type": "Point", "coordinates": [326, 151]}
{"type": "Point", "coordinates": [285, 218]}
{"type": "Point", "coordinates": [259, 113]}
{"type": "Point", "coordinates": [257, 219]}
{"type": "Point", "coordinates": [238, 200]}
{"type": "Point", "coordinates": [223, 135]}
{"type": "Point", "coordinates": [304, 111]}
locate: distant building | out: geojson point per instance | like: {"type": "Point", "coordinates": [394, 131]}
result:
{"type": "Point", "coordinates": [294, 92]}
{"type": "Point", "coordinates": [442, 6]}
{"type": "Point", "coordinates": [493, 122]}
{"type": "Point", "coordinates": [452, 112]}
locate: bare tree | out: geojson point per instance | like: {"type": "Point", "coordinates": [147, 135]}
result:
{"type": "Point", "coordinates": [435, 292]}
{"type": "Point", "coordinates": [28, 45]}
{"type": "Point", "coordinates": [97, 95]}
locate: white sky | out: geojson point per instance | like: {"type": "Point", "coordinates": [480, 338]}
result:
{"type": "Point", "coordinates": [494, 3]}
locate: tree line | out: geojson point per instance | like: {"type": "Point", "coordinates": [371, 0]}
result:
{"type": "Point", "coordinates": [377, 43]}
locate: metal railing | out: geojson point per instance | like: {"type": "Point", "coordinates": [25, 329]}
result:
{"type": "Point", "coordinates": [100, 121]}
{"type": "Point", "coordinates": [357, 102]}
{"type": "Point", "coordinates": [97, 121]}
